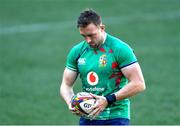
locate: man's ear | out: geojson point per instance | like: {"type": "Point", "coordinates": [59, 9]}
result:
{"type": "Point", "coordinates": [102, 27]}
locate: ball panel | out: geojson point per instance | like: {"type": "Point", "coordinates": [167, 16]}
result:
{"type": "Point", "coordinates": [87, 105]}
{"type": "Point", "coordinates": [83, 102]}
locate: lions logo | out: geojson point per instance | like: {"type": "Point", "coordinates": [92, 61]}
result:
{"type": "Point", "coordinates": [103, 61]}
{"type": "Point", "coordinates": [92, 78]}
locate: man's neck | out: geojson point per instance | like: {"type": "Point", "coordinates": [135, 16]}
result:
{"type": "Point", "coordinates": [104, 36]}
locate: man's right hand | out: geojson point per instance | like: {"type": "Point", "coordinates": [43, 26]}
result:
{"type": "Point", "coordinates": [76, 112]}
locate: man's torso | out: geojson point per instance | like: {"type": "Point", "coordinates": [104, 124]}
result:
{"type": "Point", "coordinates": [100, 72]}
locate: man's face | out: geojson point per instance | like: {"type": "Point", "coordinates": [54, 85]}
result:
{"type": "Point", "coordinates": [94, 35]}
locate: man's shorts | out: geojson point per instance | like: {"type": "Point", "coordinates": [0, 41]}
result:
{"type": "Point", "coordinates": [117, 121]}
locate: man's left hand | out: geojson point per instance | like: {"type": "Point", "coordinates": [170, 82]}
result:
{"type": "Point", "coordinates": [99, 106]}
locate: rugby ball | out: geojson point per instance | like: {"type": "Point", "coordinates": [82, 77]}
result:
{"type": "Point", "coordinates": [83, 102]}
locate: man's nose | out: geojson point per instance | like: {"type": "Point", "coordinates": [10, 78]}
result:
{"type": "Point", "coordinates": [88, 39]}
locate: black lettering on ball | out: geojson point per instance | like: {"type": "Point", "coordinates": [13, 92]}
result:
{"type": "Point", "coordinates": [86, 105]}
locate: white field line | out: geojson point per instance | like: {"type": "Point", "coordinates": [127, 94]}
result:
{"type": "Point", "coordinates": [70, 24]}
{"type": "Point", "coordinates": [144, 17]}
{"type": "Point", "coordinates": [35, 27]}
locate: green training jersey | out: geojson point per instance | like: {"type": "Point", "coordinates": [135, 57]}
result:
{"type": "Point", "coordinates": [100, 71]}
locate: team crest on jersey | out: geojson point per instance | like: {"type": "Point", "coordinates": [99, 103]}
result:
{"type": "Point", "coordinates": [92, 78]}
{"type": "Point", "coordinates": [102, 60]}
{"type": "Point", "coordinates": [82, 61]}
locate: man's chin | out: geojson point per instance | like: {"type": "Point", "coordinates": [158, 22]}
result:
{"type": "Point", "coordinates": [93, 46]}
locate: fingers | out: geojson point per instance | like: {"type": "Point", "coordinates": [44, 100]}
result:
{"type": "Point", "coordinates": [78, 113]}
{"type": "Point", "coordinates": [95, 112]}
{"type": "Point", "coordinates": [71, 108]}
{"type": "Point", "coordinates": [97, 108]}
{"type": "Point", "coordinates": [75, 111]}
{"type": "Point", "coordinates": [94, 95]}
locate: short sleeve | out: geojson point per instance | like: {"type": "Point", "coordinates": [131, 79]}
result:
{"type": "Point", "coordinates": [126, 56]}
{"type": "Point", "coordinates": [71, 62]}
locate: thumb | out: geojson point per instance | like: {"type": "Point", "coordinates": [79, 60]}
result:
{"type": "Point", "coordinates": [94, 95]}
{"type": "Point", "coordinates": [71, 107]}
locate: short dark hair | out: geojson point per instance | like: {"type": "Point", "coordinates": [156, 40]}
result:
{"type": "Point", "coordinates": [87, 17]}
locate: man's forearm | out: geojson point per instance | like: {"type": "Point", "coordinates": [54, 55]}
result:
{"type": "Point", "coordinates": [66, 92]}
{"type": "Point", "coordinates": [132, 88]}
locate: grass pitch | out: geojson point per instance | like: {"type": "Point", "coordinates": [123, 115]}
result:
{"type": "Point", "coordinates": [36, 35]}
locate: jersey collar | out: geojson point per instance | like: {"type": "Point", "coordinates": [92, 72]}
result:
{"type": "Point", "coordinates": [105, 36]}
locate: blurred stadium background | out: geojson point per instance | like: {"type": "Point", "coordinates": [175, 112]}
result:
{"type": "Point", "coordinates": [36, 35]}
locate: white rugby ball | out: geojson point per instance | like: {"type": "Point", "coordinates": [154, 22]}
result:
{"type": "Point", "coordinates": [83, 102]}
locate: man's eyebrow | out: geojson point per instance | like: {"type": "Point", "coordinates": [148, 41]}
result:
{"type": "Point", "coordinates": [88, 34]}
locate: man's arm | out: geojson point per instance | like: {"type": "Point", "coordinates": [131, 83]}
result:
{"type": "Point", "coordinates": [135, 85]}
{"type": "Point", "coordinates": [136, 82]}
{"type": "Point", "coordinates": [66, 88]}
